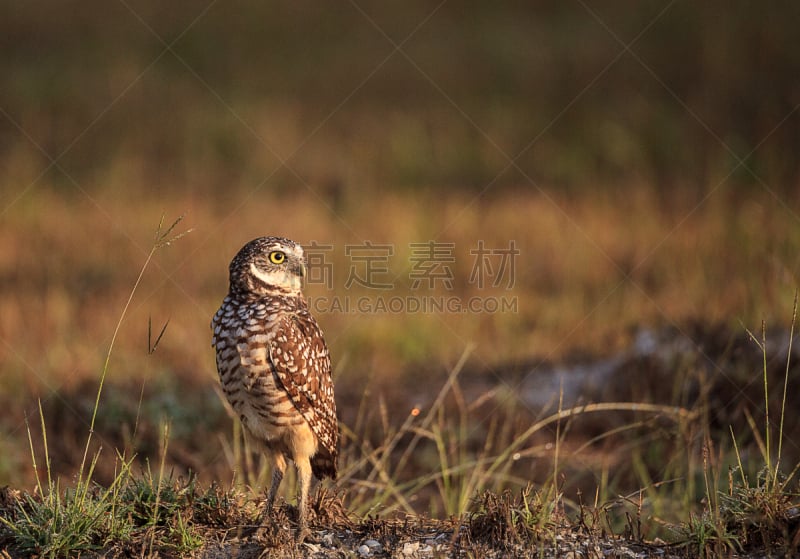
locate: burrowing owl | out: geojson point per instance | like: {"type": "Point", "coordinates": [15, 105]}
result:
{"type": "Point", "coordinates": [274, 365]}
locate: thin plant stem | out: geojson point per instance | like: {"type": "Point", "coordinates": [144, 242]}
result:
{"type": "Point", "coordinates": [162, 239]}
{"type": "Point", "coordinates": [785, 385]}
{"type": "Point", "coordinates": [768, 425]}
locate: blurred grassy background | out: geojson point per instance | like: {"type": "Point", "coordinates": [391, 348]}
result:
{"type": "Point", "coordinates": [642, 157]}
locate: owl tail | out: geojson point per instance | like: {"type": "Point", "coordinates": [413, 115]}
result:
{"type": "Point", "coordinates": [323, 464]}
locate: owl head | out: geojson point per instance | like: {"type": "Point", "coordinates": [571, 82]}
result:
{"type": "Point", "coordinates": [268, 266]}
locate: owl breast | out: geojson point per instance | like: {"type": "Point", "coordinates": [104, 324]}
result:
{"type": "Point", "coordinates": [242, 336]}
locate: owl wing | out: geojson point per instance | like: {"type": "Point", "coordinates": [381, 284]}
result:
{"type": "Point", "coordinates": [301, 362]}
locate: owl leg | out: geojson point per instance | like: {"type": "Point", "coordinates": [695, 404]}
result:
{"type": "Point", "coordinates": [303, 445]}
{"type": "Point", "coordinates": [278, 469]}
{"type": "Point", "coordinates": [304, 479]}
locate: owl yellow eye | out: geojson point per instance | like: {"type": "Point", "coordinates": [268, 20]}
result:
{"type": "Point", "coordinates": [277, 257]}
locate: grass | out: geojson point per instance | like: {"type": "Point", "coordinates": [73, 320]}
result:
{"type": "Point", "coordinates": [464, 457]}
{"type": "Point", "coordinates": [82, 517]}
{"type": "Point", "coordinates": [586, 278]}
{"type": "Point", "coordinates": [152, 513]}
{"type": "Point", "coordinates": [757, 512]}
{"type": "Point", "coordinates": [66, 521]}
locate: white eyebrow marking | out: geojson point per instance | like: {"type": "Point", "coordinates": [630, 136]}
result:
{"type": "Point", "coordinates": [280, 278]}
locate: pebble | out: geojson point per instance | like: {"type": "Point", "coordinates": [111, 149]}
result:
{"type": "Point", "coordinates": [364, 550]}
{"type": "Point", "coordinates": [327, 539]}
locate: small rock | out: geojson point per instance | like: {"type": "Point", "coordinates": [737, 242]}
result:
{"type": "Point", "coordinates": [327, 539]}
{"type": "Point", "coordinates": [372, 544]}
{"type": "Point", "coordinates": [410, 548]}
{"type": "Point", "coordinates": [364, 550]}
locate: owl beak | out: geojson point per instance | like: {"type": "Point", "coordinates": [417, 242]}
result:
{"type": "Point", "coordinates": [302, 269]}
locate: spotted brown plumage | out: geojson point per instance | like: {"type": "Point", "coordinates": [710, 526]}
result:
{"type": "Point", "coordinates": [274, 365]}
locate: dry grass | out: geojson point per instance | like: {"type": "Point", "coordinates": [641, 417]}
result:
{"type": "Point", "coordinates": [587, 278]}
